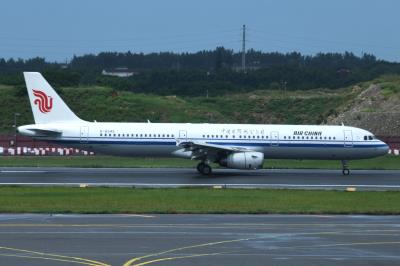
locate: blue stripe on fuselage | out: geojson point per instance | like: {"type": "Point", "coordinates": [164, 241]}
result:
{"type": "Point", "coordinates": [243, 144]}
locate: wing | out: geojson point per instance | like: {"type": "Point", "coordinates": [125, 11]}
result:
{"type": "Point", "coordinates": [201, 150]}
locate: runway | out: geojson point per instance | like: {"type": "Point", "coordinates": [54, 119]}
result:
{"type": "Point", "coordinates": [30, 239]}
{"type": "Point", "coordinates": [183, 177]}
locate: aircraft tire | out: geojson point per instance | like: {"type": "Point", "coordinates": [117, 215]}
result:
{"type": "Point", "coordinates": [200, 167]}
{"type": "Point", "coordinates": [207, 170]}
{"type": "Point", "coordinates": [346, 171]}
{"type": "Point", "coordinates": [204, 169]}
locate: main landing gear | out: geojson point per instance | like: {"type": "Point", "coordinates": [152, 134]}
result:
{"type": "Point", "coordinates": [345, 168]}
{"type": "Point", "coordinates": [204, 168]}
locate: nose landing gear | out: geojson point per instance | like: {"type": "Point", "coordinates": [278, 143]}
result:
{"type": "Point", "coordinates": [345, 168]}
{"type": "Point", "coordinates": [204, 168]}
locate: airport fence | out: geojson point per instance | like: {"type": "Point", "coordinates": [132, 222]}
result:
{"type": "Point", "coordinates": [11, 145]}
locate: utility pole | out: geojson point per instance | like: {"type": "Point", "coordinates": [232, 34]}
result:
{"type": "Point", "coordinates": [244, 49]}
{"type": "Point", "coordinates": [284, 86]}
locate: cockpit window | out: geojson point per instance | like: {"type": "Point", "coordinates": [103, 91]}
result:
{"type": "Point", "coordinates": [370, 137]}
{"type": "Point", "coordinates": [365, 138]}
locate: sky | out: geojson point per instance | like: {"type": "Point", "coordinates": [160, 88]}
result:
{"type": "Point", "coordinates": [58, 30]}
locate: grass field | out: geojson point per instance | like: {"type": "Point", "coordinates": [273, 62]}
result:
{"type": "Point", "coordinates": [128, 200]}
{"type": "Point", "coordinates": [385, 162]}
{"type": "Point", "coordinates": [106, 104]}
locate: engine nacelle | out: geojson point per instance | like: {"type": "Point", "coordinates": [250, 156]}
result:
{"type": "Point", "coordinates": [243, 160]}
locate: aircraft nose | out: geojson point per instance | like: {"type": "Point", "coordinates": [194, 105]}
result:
{"type": "Point", "coordinates": [384, 149]}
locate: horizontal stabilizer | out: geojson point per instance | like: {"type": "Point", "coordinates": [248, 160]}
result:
{"type": "Point", "coordinates": [37, 131]}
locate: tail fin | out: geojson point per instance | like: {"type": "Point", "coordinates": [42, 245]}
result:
{"type": "Point", "coordinates": [47, 106]}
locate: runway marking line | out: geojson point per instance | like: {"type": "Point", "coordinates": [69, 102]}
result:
{"type": "Point", "coordinates": [22, 171]}
{"type": "Point", "coordinates": [173, 185]}
{"type": "Point", "coordinates": [130, 262]}
{"type": "Point", "coordinates": [51, 256]}
{"type": "Point", "coordinates": [176, 258]}
{"type": "Point", "coordinates": [48, 258]}
{"type": "Point", "coordinates": [254, 226]}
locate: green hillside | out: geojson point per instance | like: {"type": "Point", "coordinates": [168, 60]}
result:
{"type": "Point", "coordinates": [263, 106]}
{"type": "Point", "coordinates": [105, 104]}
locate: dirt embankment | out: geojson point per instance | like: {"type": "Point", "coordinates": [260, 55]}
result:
{"type": "Point", "coordinates": [373, 109]}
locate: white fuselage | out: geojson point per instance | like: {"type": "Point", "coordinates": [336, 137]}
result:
{"type": "Point", "coordinates": [274, 141]}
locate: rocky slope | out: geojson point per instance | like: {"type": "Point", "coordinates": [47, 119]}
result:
{"type": "Point", "coordinates": [375, 107]}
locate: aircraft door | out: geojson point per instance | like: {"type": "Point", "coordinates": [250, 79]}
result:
{"type": "Point", "coordinates": [182, 135]}
{"type": "Point", "coordinates": [84, 134]}
{"type": "Point", "coordinates": [348, 138]}
{"type": "Point", "coordinates": [274, 138]}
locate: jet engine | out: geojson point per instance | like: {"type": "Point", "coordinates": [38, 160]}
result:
{"type": "Point", "coordinates": [243, 160]}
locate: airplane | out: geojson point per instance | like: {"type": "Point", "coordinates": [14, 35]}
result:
{"type": "Point", "coordinates": [237, 146]}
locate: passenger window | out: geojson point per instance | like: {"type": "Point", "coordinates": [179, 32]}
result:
{"type": "Point", "coordinates": [167, 135]}
{"type": "Point", "coordinates": [334, 137]}
{"type": "Point", "coordinates": [233, 136]}
{"type": "Point", "coordinates": [226, 136]}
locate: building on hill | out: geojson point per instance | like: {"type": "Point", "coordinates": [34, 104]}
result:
{"type": "Point", "coordinates": [122, 72]}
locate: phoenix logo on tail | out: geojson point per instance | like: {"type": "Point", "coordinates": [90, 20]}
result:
{"type": "Point", "coordinates": [44, 102]}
